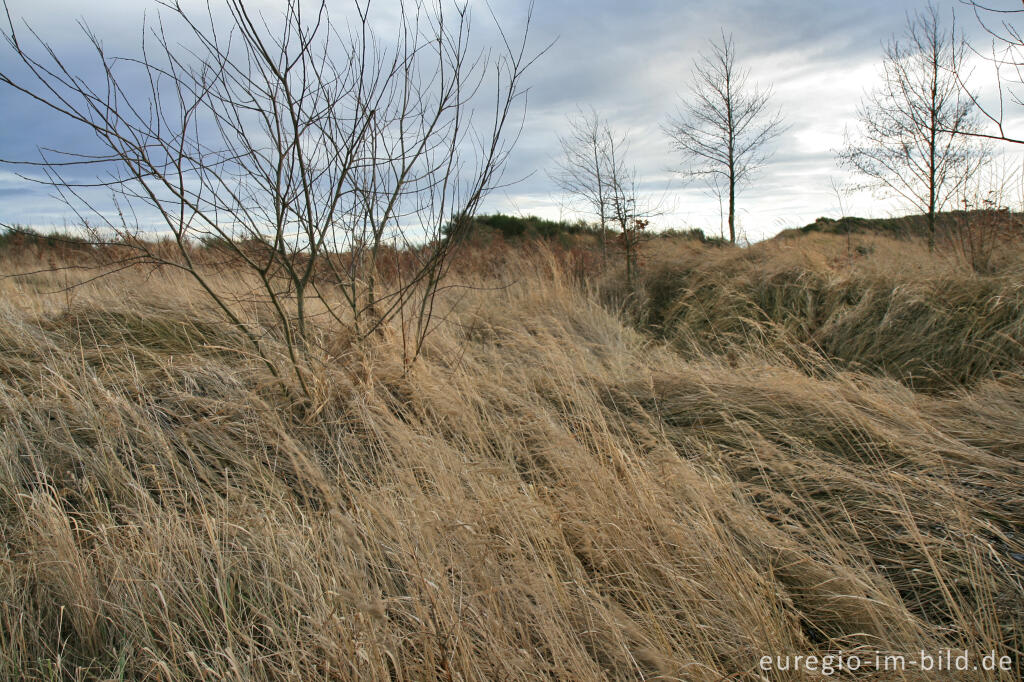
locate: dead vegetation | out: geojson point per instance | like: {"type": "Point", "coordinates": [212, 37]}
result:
{"type": "Point", "coordinates": [872, 304]}
{"type": "Point", "coordinates": [547, 493]}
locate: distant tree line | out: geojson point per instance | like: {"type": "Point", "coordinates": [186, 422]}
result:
{"type": "Point", "coordinates": [511, 227]}
{"type": "Point", "coordinates": [481, 229]}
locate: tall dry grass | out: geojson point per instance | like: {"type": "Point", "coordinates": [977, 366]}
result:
{"type": "Point", "coordinates": [548, 494]}
{"type": "Point", "coordinates": [871, 304]}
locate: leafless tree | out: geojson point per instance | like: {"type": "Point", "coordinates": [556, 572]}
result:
{"type": "Point", "coordinates": [629, 208]}
{"type": "Point", "coordinates": [724, 129]}
{"type": "Point", "coordinates": [314, 153]}
{"type": "Point", "coordinates": [841, 192]}
{"type": "Point", "coordinates": [594, 169]}
{"type": "Point", "coordinates": [583, 170]}
{"type": "Point", "coordinates": [625, 204]}
{"type": "Point", "coordinates": [914, 139]}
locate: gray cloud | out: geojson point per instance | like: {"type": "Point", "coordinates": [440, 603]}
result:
{"type": "Point", "coordinates": [630, 61]}
{"type": "Point", "coordinates": [15, 192]}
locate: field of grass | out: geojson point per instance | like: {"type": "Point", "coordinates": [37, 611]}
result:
{"type": "Point", "coordinates": [877, 305]}
{"type": "Point", "coordinates": [804, 447]}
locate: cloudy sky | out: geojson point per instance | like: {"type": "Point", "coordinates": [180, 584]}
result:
{"type": "Point", "coordinates": [629, 61]}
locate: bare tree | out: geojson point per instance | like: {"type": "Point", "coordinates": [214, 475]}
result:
{"type": "Point", "coordinates": [914, 138]}
{"type": "Point", "coordinates": [725, 128]}
{"type": "Point", "coordinates": [628, 207]}
{"type": "Point", "coordinates": [841, 192]}
{"type": "Point", "coordinates": [313, 153]}
{"type": "Point", "coordinates": [593, 168]}
{"type": "Point", "coordinates": [582, 171]}
{"type": "Point", "coordinates": [625, 205]}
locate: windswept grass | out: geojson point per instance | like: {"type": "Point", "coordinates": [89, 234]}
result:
{"type": "Point", "coordinates": [875, 305]}
{"type": "Point", "coordinates": [547, 494]}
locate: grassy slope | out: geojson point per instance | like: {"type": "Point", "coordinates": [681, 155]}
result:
{"type": "Point", "coordinates": [876, 305]}
{"type": "Point", "coordinates": [547, 494]}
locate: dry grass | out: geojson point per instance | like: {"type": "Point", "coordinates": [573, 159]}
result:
{"type": "Point", "coordinates": [873, 304]}
{"type": "Point", "coordinates": [547, 494]}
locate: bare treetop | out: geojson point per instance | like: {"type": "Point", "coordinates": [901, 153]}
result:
{"type": "Point", "coordinates": [724, 128]}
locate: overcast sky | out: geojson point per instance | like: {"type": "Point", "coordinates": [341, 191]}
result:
{"type": "Point", "coordinates": [630, 62]}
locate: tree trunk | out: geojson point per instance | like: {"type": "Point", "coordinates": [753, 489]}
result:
{"type": "Point", "coordinates": [932, 191]}
{"type": "Point", "coordinates": [931, 227]}
{"type": "Point", "coordinates": [604, 240]}
{"type": "Point", "coordinates": [732, 209]}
